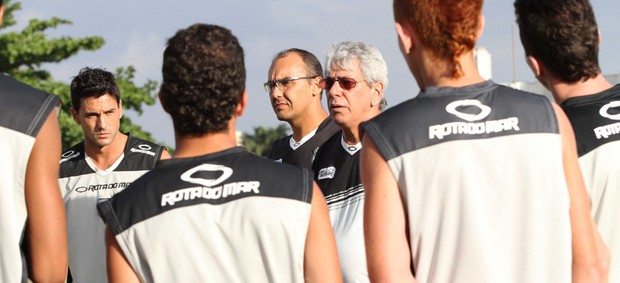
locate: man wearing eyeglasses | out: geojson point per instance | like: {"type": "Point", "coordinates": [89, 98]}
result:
{"type": "Point", "coordinates": [295, 89]}
{"type": "Point", "coordinates": [356, 77]}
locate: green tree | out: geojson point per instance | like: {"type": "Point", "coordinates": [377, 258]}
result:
{"type": "Point", "coordinates": [23, 52]}
{"type": "Point", "coordinates": [260, 142]}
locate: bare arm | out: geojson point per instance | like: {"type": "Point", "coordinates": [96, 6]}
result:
{"type": "Point", "coordinates": [387, 247]}
{"type": "Point", "coordinates": [590, 255]}
{"type": "Point", "coordinates": [119, 269]}
{"type": "Point", "coordinates": [46, 224]}
{"type": "Point", "coordinates": [320, 255]}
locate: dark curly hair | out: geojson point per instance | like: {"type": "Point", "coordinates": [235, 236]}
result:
{"type": "Point", "coordinates": [203, 79]}
{"type": "Point", "coordinates": [562, 35]}
{"type": "Point", "coordinates": [93, 82]}
{"type": "Point", "coordinates": [447, 27]}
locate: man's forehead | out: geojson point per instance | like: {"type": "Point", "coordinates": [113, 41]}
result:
{"type": "Point", "coordinates": [106, 102]}
{"type": "Point", "coordinates": [288, 67]}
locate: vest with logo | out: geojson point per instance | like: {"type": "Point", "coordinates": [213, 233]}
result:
{"type": "Point", "coordinates": [481, 175]}
{"type": "Point", "coordinates": [83, 186]}
{"type": "Point", "coordinates": [596, 122]}
{"type": "Point", "coordinates": [229, 216]}
{"type": "Point", "coordinates": [23, 112]}
{"type": "Point", "coordinates": [302, 153]}
{"type": "Point", "coordinates": [336, 170]}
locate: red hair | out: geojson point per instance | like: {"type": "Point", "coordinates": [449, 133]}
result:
{"type": "Point", "coordinates": [447, 27]}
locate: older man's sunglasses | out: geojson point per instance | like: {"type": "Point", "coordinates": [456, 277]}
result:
{"type": "Point", "coordinates": [344, 82]}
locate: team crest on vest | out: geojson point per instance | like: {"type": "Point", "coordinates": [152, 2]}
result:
{"type": "Point", "coordinates": [209, 188]}
{"type": "Point", "coordinates": [143, 148]}
{"type": "Point", "coordinates": [474, 125]}
{"type": "Point", "coordinates": [327, 173]}
{"type": "Point", "coordinates": [611, 129]}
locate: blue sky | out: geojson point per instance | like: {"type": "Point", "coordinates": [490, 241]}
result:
{"type": "Point", "coordinates": [136, 31]}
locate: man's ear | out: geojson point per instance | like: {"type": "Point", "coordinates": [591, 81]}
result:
{"type": "Point", "coordinates": [240, 109]}
{"type": "Point", "coordinates": [480, 30]}
{"type": "Point", "coordinates": [377, 93]}
{"type": "Point", "coordinates": [120, 108]}
{"type": "Point", "coordinates": [161, 101]}
{"type": "Point", "coordinates": [534, 65]}
{"type": "Point", "coordinates": [405, 37]}
{"type": "Point", "coordinates": [318, 84]}
{"type": "Point", "coordinates": [75, 115]}
{"type": "Point", "coordinates": [1, 13]}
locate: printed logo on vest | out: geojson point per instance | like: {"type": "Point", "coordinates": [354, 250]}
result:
{"type": "Point", "coordinates": [102, 187]}
{"type": "Point", "coordinates": [611, 129]}
{"type": "Point", "coordinates": [69, 155]}
{"type": "Point", "coordinates": [143, 148]}
{"type": "Point", "coordinates": [327, 173]}
{"type": "Point", "coordinates": [211, 189]}
{"type": "Point", "coordinates": [471, 127]}
{"type": "Point", "coordinates": [484, 110]}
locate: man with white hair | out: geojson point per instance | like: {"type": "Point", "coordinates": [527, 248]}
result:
{"type": "Point", "coordinates": [355, 79]}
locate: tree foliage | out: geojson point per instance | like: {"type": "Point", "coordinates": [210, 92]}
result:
{"type": "Point", "coordinates": [23, 52]}
{"type": "Point", "coordinates": [260, 142]}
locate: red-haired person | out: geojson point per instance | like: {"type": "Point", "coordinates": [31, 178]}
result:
{"type": "Point", "coordinates": [470, 181]}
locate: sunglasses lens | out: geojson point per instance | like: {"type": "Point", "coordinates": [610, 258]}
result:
{"type": "Point", "coordinates": [346, 83]}
{"type": "Point", "coordinates": [329, 82]}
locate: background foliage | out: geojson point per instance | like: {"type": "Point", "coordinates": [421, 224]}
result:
{"type": "Point", "coordinates": [260, 142]}
{"type": "Point", "coordinates": [22, 53]}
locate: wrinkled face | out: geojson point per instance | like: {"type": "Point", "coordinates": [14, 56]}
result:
{"type": "Point", "coordinates": [291, 100]}
{"type": "Point", "coordinates": [99, 118]}
{"type": "Point", "coordinates": [349, 108]}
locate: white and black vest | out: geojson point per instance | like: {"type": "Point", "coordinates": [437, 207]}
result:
{"type": "Point", "coordinates": [481, 175]}
{"type": "Point", "coordinates": [83, 186]}
{"type": "Point", "coordinates": [23, 110]}
{"type": "Point", "coordinates": [229, 216]}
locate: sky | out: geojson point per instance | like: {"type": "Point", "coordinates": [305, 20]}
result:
{"type": "Point", "coordinates": [136, 32]}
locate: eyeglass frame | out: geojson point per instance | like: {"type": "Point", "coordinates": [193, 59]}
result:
{"type": "Point", "coordinates": [269, 86]}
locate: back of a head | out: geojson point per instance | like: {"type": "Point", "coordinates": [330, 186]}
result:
{"type": "Point", "coordinates": [447, 28]}
{"type": "Point", "coordinates": [203, 79]}
{"type": "Point", "coordinates": [562, 35]}
{"type": "Point", "coordinates": [93, 82]}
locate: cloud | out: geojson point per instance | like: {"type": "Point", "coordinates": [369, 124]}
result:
{"type": "Point", "coordinates": [143, 52]}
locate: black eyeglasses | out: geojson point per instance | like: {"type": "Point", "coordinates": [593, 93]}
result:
{"type": "Point", "coordinates": [344, 82]}
{"type": "Point", "coordinates": [282, 84]}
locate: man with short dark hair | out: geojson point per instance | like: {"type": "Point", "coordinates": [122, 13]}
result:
{"type": "Point", "coordinates": [215, 212]}
{"type": "Point", "coordinates": [561, 41]}
{"type": "Point", "coordinates": [295, 90]}
{"type": "Point", "coordinates": [31, 210]}
{"type": "Point", "coordinates": [105, 163]}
